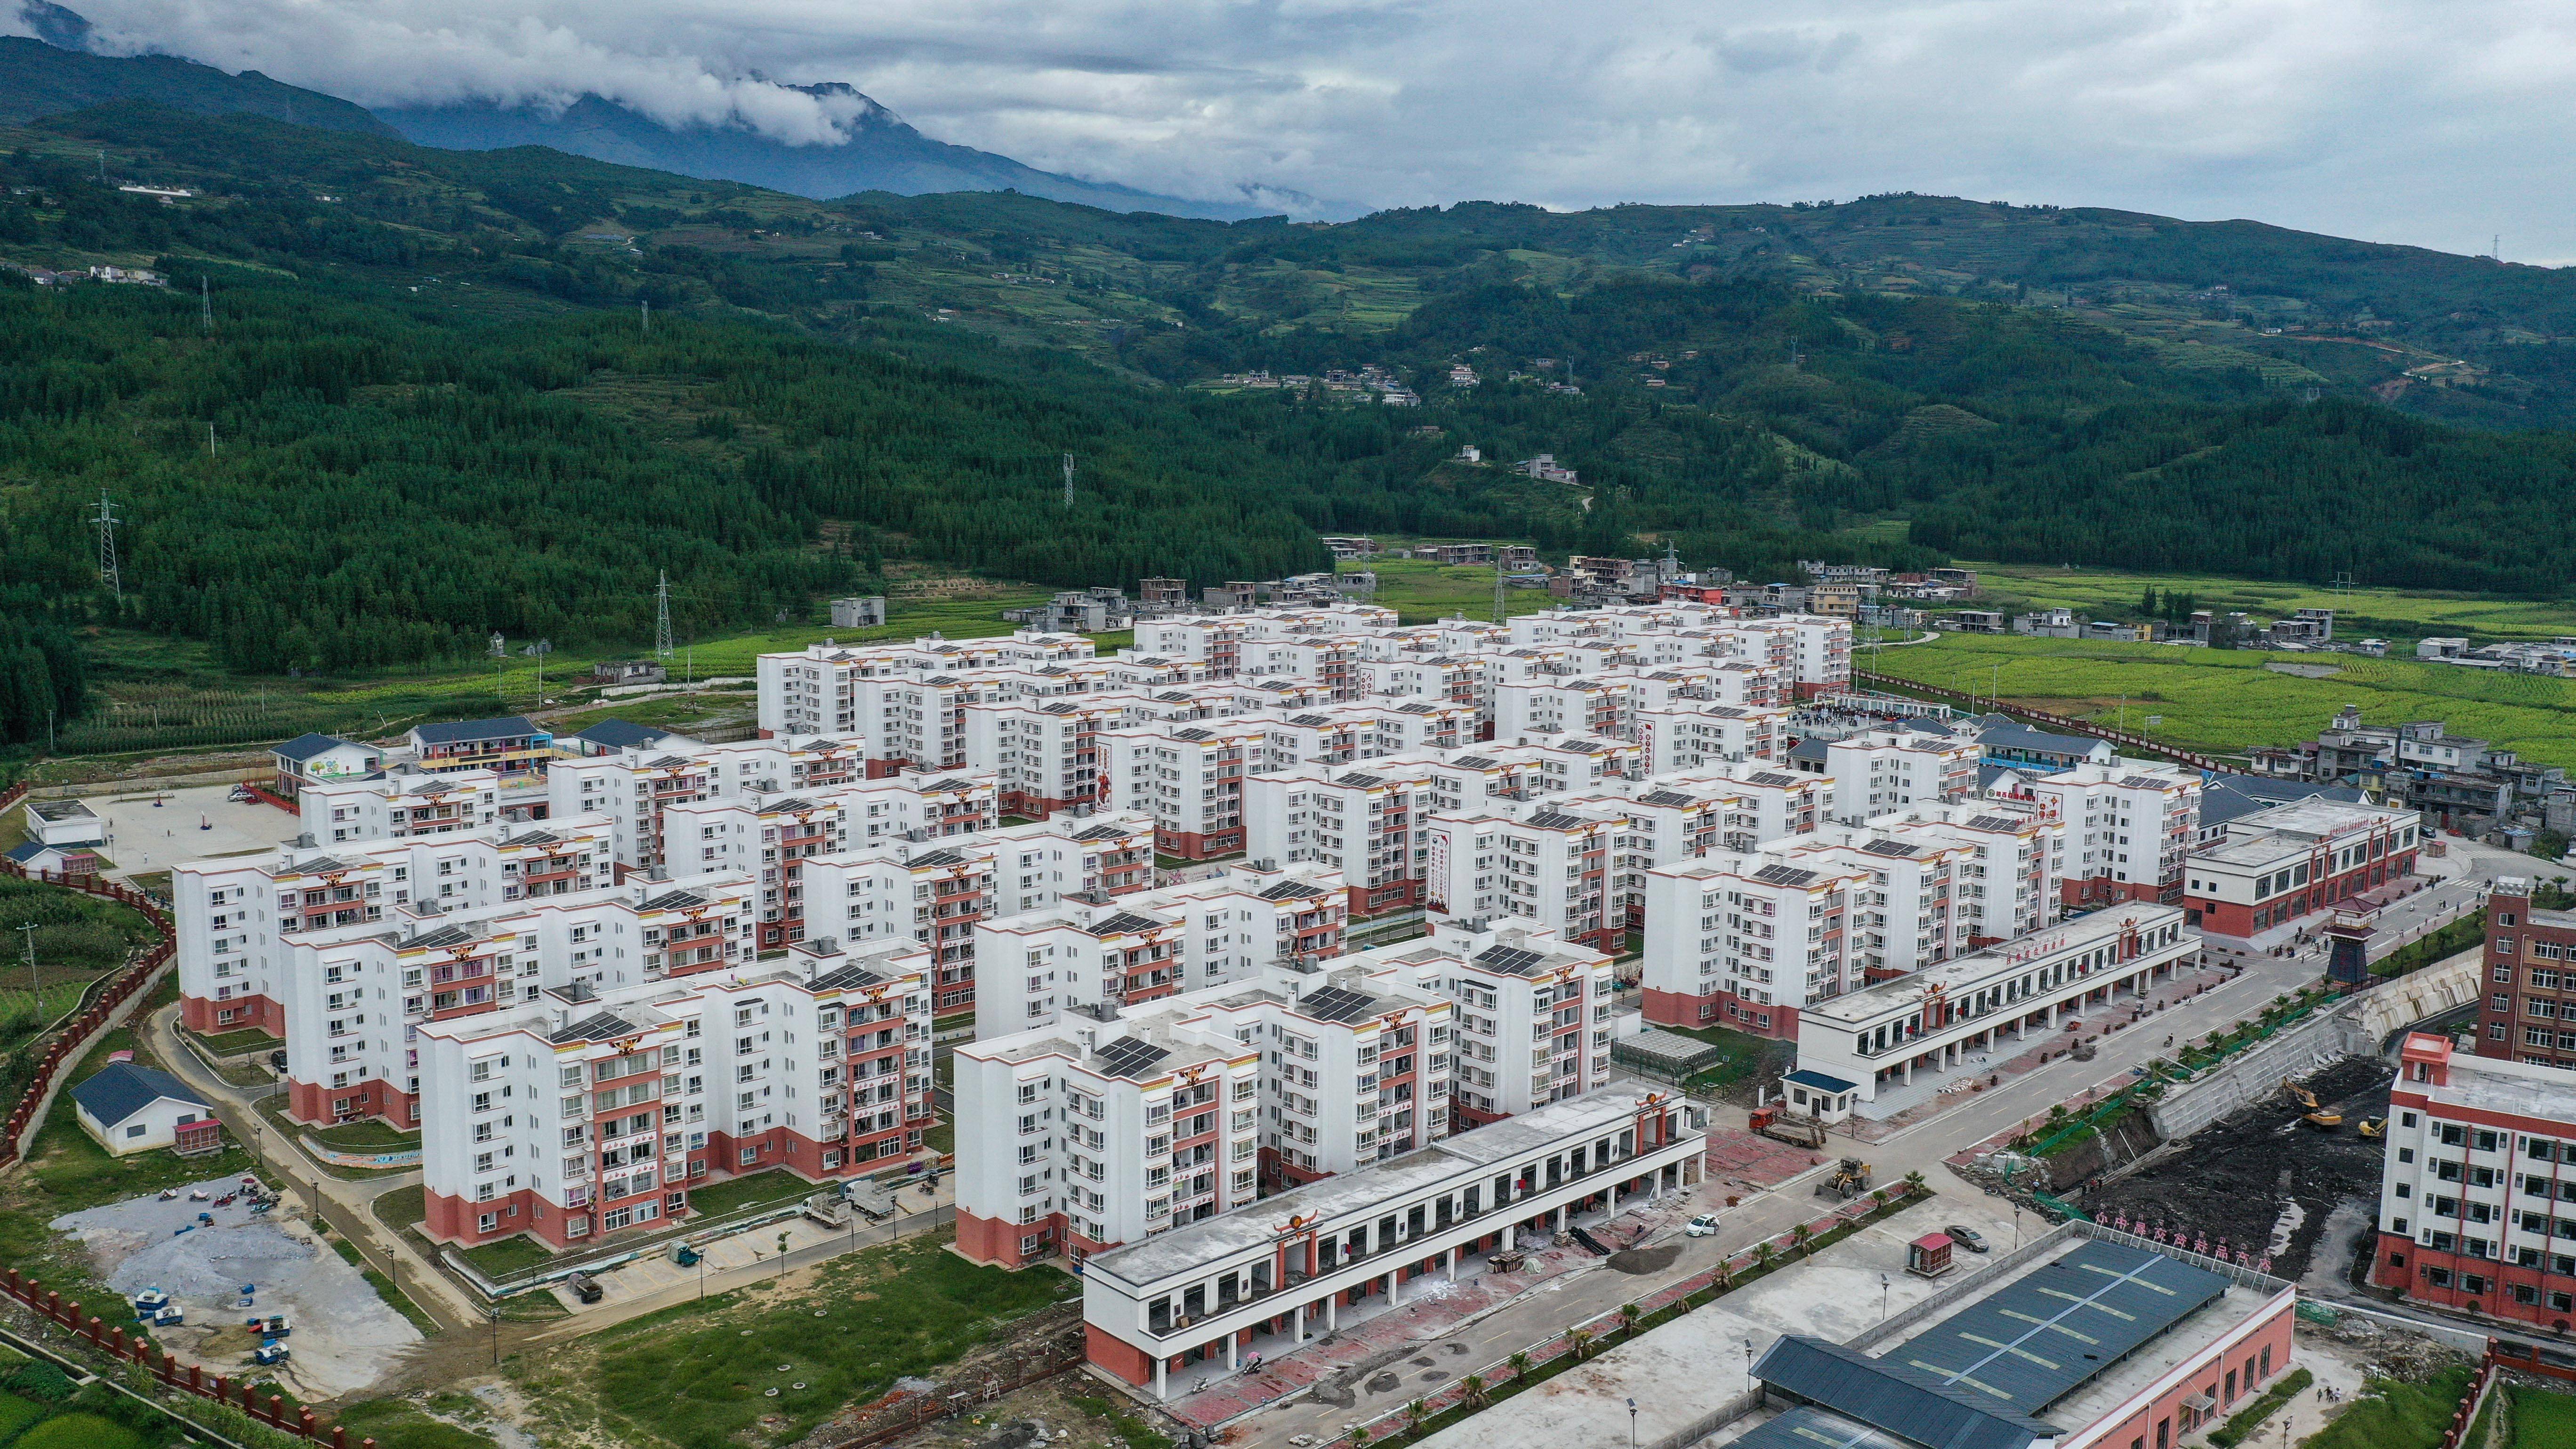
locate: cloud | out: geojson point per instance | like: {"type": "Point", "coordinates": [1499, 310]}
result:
{"type": "Point", "coordinates": [2387, 119]}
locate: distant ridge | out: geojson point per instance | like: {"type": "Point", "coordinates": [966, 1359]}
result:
{"type": "Point", "coordinates": [882, 154]}
{"type": "Point", "coordinates": [39, 80]}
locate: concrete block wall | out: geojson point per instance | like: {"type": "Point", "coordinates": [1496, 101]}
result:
{"type": "Point", "coordinates": [2257, 1071]}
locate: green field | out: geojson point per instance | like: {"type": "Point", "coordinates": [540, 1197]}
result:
{"type": "Point", "coordinates": [698, 1376]}
{"type": "Point", "coordinates": [2542, 1420]}
{"type": "Point", "coordinates": [1421, 591]}
{"type": "Point", "coordinates": [2359, 613]}
{"type": "Point", "coordinates": [2224, 700]}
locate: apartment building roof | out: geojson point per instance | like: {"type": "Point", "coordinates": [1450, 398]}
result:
{"type": "Point", "coordinates": [466, 730]}
{"type": "Point", "coordinates": [305, 747]}
{"type": "Point", "coordinates": [1964, 973]}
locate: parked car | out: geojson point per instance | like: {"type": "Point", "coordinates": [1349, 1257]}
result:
{"type": "Point", "coordinates": [584, 1287]}
{"type": "Point", "coordinates": [1968, 1238]}
{"type": "Point", "coordinates": [277, 1062]}
{"type": "Point", "coordinates": [1703, 1225]}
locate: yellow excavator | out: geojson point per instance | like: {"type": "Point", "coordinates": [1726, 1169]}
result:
{"type": "Point", "coordinates": [2317, 1116]}
{"type": "Point", "coordinates": [2372, 1127]}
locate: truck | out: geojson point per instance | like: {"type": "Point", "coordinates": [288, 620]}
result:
{"type": "Point", "coordinates": [1774, 1121]}
{"type": "Point", "coordinates": [1849, 1179]}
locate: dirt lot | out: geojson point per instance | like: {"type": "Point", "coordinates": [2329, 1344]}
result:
{"type": "Point", "coordinates": [2263, 1178]}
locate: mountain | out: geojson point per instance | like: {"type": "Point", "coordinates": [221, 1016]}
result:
{"type": "Point", "coordinates": [882, 153]}
{"type": "Point", "coordinates": [39, 79]}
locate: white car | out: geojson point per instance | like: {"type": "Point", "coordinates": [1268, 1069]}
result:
{"type": "Point", "coordinates": [1703, 1225]}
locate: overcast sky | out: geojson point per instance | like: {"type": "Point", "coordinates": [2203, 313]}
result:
{"type": "Point", "coordinates": [2439, 124]}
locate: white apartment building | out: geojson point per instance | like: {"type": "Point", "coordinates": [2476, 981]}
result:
{"type": "Point", "coordinates": [1090, 952]}
{"type": "Point", "coordinates": [1541, 865]}
{"type": "Point", "coordinates": [1533, 1014]}
{"type": "Point", "coordinates": [579, 1112]}
{"type": "Point", "coordinates": [1694, 735]}
{"type": "Point", "coordinates": [234, 919]}
{"type": "Point", "coordinates": [1366, 824]}
{"type": "Point", "coordinates": [1882, 770]}
{"type": "Point", "coordinates": [1047, 756]}
{"type": "Point", "coordinates": [398, 805]}
{"type": "Point", "coordinates": [2476, 1182]}
{"type": "Point", "coordinates": [356, 997]}
{"type": "Point", "coordinates": [1061, 1146]}
{"type": "Point", "coordinates": [2129, 826]}
{"type": "Point", "coordinates": [1748, 941]}
{"type": "Point", "coordinates": [1189, 776]}
{"type": "Point", "coordinates": [935, 892]}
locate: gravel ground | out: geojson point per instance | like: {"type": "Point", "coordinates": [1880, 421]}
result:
{"type": "Point", "coordinates": [345, 1336]}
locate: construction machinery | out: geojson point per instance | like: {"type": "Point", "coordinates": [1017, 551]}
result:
{"type": "Point", "coordinates": [1775, 1122]}
{"type": "Point", "coordinates": [2324, 1121]}
{"type": "Point", "coordinates": [1849, 1179]}
{"type": "Point", "coordinates": [2372, 1127]}
{"type": "Point", "coordinates": [2299, 1094]}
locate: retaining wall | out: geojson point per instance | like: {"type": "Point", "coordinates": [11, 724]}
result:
{"type": "Point", "coordinates": [2257, 1071]}
{"type": "Point", "coordinates": [2404, 1000]}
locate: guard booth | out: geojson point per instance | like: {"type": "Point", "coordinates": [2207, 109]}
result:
{"type": "Point", "coordinates": [1929, 1255]}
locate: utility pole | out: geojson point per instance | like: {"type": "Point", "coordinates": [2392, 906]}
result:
{"type": "Point", "coordinates": [500, 660]}
{"type": "Point", "coordinates": [102, 168]}
{"type": "Point", "coordinates": [210, 438]}
{"type": "Point", "coordinates": [108, 571]}
{"type": "Point", "coordinates": [206, 302]}
{"type": "Point", "coordinates": [645, 306]}
{"type": "Point", "coordinates": [1498, 585]}
{"type": "Point", "coordinates": [1068, 482]}
{"type": "Point", "coordinates": [662, 616]}
{"type": "Point", "coordinates": [30, 932]}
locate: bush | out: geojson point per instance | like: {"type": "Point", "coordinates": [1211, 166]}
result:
{"type": "Point", "coordinates": [40, 1381]}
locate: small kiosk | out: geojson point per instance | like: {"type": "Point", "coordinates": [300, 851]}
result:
{"type": "Point", "coordinates": [1929, 1255]}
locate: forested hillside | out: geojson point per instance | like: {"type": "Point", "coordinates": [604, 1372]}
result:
{"type": "Point", "coordinates": [451, 393]}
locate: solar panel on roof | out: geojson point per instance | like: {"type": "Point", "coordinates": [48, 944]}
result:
{"type": "Point", "coordinates": [1335, 1004]}
{"type": "Point", "coordinates": [1787, 875]}
{"type": "Point", "coordinates": [1889, 847]}
{"type": "Point", "coordinates": [2143, 782]}
{"type": "Point", "coordinates": [1513, 959]}
{"type": "Point", "coordinates": [1664, 797]}
{"type": "Point", "coordinates": [1772, 778]}
{"type": "Point", "coordinates": [1994, 822]}
{"type": "Point", "coordinates": [1125, 923]}
{"type": "Point", "coordinates": [1130, 1056]}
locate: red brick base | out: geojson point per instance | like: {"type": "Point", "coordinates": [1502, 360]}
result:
{"type": "Point", "coordinates": [1191, 845]}
{"type": "Point", "coordinates": [206, 1016]}
{"type": "Point", "coordinates": [1719, 1008]}
{"type": "Point", "coordinates": [320, 1106]}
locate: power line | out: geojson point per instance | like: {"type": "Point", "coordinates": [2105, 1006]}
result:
{"type": "Point", "coordinates": [107, 563]}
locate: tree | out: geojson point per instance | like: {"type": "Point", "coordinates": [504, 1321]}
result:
{"type": "Point", "coordinates": [1578, 1341]}
{"type": "Point", "coordinates": [2147, 605]}
{"type": "Point", "coordinates": [1799, 1237]}
{"type": "Point", "coordinates": [1629, 1314]}
{"type": "Point", "coordinates": [1519, 1364]}
{"type": "Point", "coordinates": [1475, 1389]}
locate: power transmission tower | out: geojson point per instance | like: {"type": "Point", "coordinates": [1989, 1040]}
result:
{"type": "Point", "coordinates": [107, 565]}
{"type": "Point", "coordinates": [206, 301]}
{"type": "Point", "coordinates": [646, 303]}
{"type": "Point", "coordinates": [1068, 481]}
{"type": "Point", "coordinates": [662, 617]}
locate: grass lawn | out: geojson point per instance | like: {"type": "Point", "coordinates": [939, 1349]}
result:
{"type": "Point", "coordinates": [2394, 1415]}
{"type": "Point", "coordinates": [401, 1208]}
{"type": "Point", "coordinates": [1421, 591]}
{"type": "Point", "coordinates": [694, 1376]}
{"type": "Point", "coordinates": [2541, 1419]}
{"type": "Point", "coordinates": [233, 1043]}
{"type": "Point", "coordinates": [2225, 699]}
{"type": "Point", "coordinates": [398, 1424]}
{"type": "Point", "coordinates": [365, 1136]}
{"type": "Point", "coordinates": [79, 1431]}
{"type": "Point", "coordinates": [941, 1138]}
{"type": "Point", "coordinates": [777, 1185]}
{"type": "Point", "coordinates": [507, 1258]}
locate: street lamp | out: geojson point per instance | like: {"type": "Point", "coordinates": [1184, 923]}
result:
{"type": "Point", "coordinates": [1882, 1299]}
{"type": "Point", "coordinates": [1632, 1424]}
{"type": "Point", "coordinates": [1748, 1365]}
